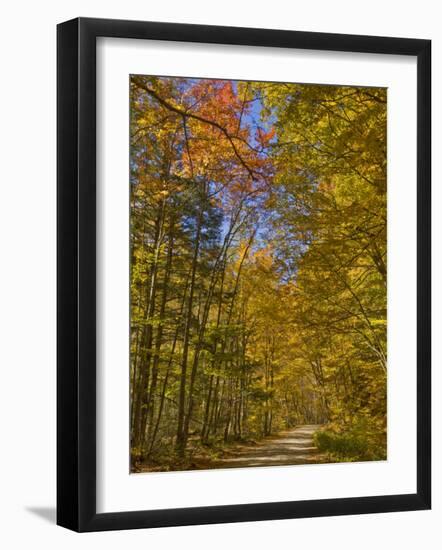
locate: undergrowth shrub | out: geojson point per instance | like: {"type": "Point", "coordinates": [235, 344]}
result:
{"type": "Point", "coordinates": [355, 443]}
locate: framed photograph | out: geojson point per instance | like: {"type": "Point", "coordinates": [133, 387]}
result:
{"type": "Point", "coordinates": [243, 274]}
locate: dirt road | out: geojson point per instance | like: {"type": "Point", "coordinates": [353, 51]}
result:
{"type": "Point", "coordinates": [293, 446]}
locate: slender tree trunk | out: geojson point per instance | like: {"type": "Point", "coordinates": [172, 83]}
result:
{"type": "Point", "coordinates": [159, 336]}
{"type": "Point", "coordinates": [141, 392]}
{"type": "Point", "coordinates": [206, 428]}
{"type": "Point", "coordinates": [201, 333]}
{"type": "Point", "coordinates": [204, 431]}
{"type": "Point", "coordinates": [214, 408]}
{"type": "Point", "coordinates": [167, 375]}
{"type": "Point", "coordinates": [181, 439]}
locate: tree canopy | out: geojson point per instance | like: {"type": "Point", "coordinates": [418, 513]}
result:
{"type": "Point", "coordinates": [258, 267]}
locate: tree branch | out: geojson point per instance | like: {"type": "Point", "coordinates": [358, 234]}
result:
{"type": "Point", "coordinates": [185, 114]}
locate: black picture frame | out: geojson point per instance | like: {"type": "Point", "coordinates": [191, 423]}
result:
{"type": "Point", "coordinates": [76, 274]}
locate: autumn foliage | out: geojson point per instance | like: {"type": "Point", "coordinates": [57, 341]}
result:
{"type": "Point", "coordinates": [258, 267]}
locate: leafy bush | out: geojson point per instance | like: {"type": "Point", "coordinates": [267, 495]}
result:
{"type": "Point", "coordinates": [354, 444]}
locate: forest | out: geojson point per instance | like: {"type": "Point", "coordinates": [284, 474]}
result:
{"type": "Point", "coordinates": [258, 269]}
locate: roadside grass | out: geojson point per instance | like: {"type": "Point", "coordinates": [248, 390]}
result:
{"type": "Point", "coordinates": [352, 444]}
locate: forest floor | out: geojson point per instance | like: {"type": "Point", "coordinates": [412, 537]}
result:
{"type": "Point", "coordinates": [289, 447]}
{"type": "Point", "coordinates": [293, 446]}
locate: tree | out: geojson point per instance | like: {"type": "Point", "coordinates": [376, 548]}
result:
{"type": "Point", "coordinates": [258, 263]}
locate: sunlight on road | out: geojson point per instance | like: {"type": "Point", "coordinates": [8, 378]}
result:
{"type": "Point", "coordinates": [292, 447]}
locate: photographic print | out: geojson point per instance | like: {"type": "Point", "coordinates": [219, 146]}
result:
{"type": "Point", "coordinates": [258, 274]}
